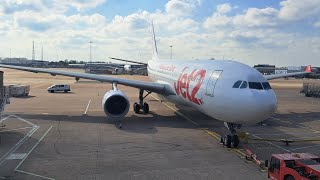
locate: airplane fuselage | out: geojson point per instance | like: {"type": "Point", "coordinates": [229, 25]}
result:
{"type": "Point", "coordinates": [208, 85]}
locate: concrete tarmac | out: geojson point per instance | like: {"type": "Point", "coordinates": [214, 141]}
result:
{"type": "Point", "coordinates": [47, 136]}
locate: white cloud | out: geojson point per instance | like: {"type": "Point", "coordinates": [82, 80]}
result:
{"type": "Point", "coordinates": [79, 4]}
{"type": "Point", "coordinates": [252, 34]}
{"type": "Point", "coordinates": [224, 8]}
{"type": "Point", "coordinates": [219, 18]}
{"type": "Point", "coordinates": [216, 20]}
{"type": "Point", "coordinates": [39, 22]}
{"type": "Point", "coordinates": [297, 9]}
{"type": "Point", "coordinates": [11, 6]}
{"type": "Point", "coordinates": [317, 24]}
{"type": "Point", "coordinates": [257, 17]}
{"type": "Point", "coordinates": [58, 6]}
{"type": "Point", "coordinates": [181, 7]}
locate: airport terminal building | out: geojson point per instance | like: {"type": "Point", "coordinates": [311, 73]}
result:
{"type": "Point", "coordinates": [24, 62]}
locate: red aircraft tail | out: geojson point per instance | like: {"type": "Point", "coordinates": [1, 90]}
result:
{"type": "Point", "coordinates": [308, 69]}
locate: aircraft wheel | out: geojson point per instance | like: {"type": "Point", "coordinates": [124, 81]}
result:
{"type": "Point", "coordinates": [221, 139]}
{"type": "Point", "coordinates": [136, 107]}
{"type": "Point", "coordinates": [235, 141]}
{"type": "Point", "coordinates": [227, 141]}
{"type": "Point", "coordinates": [145, 107]}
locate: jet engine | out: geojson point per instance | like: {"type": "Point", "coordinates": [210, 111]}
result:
{"type": "Point", "coordinates": [115, 104]}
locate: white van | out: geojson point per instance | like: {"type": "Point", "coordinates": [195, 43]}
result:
{"type": "Point", "coordinates": [59, 87]}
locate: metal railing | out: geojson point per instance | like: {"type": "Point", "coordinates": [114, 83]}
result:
{"type": "Point", "coordinates": [311, 90]}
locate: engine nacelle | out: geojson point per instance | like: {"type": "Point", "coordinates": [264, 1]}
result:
{"type": "Point", "coordinates": [115, 104]}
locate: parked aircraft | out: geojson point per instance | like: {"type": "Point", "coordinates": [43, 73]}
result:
{"type": "Point", "coordinates": [136, 68]}
{"type": "Point", "coordinates": [225, 90]}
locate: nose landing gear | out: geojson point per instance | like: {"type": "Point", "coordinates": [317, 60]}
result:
{"type": "Point", "coordinates": [141, 105]}
{"type": "Point", "coordinates": [232, 139]}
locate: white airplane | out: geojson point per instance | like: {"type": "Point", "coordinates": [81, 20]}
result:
{"type": "Point", "coordinates": [138, 68]}
{"type": "Point", "coordinates": [225, 90]}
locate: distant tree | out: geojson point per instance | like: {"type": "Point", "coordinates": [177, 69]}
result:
{"type": "Point", "coordinates": [73, 62]}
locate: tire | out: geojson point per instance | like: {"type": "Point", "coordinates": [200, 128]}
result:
{"type": "Point", "coordinates": [52, 91]}
{"type": "Point", "coordinates": [27, 94]}
{"type": "Point", "coordinates": [288, 177]}
{"type": "Point", "coordinates": [221, 139]}
{"type": "Point", "coordinates": [235, 141]}
{"type": "Point", "coordinates": [145, 107]}
{"type": "Point", "coordinates": [227, 141]}
{"type": "Point", "coordinates": [136, 108]}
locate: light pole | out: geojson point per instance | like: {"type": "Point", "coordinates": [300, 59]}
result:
{"type": "Point", "coordinates": [170, 52]}
{"type": "Point", "coordinates": [90, 52]}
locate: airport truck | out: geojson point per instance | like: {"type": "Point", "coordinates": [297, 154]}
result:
{"type": "Point", "coordinates": [294, 166]}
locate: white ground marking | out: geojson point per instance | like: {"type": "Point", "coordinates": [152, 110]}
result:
{"type": "Point", "coordinates": [3, 119]}
{"type": "Point", "coordinates": [287, 150]}
{"type": "Point", "coordinates": [85, 112]}
{"type": "Point", "coordinates": [9, 155]}
{"type": "Point", "coordinates": [32, 148]}
{"type": "Point", "coordinates": [305, 147]}
{"type": "Point", "coordinates": [311, 133]}
{"type": "Point", "coordinates": [32, 174]}
{"type": "Point", "coordinates": [303, 127]}
{"type": "Point", "coordinates": [9, 130]}
{"type": "Point", "coordinates": [29, 173]}
{"type": "Point", "coordinates": [17, 156]}
{"type": "Point", "coordinates": [19, 143]}
{"type": "Point", "coordinates": [24, 120]}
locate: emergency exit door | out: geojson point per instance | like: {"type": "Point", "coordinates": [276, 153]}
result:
{"type": "Point", "coordinates": [212, 82]}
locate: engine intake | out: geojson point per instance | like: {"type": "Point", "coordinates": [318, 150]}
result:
{"type": "Point", "coordinates": [115, 104]}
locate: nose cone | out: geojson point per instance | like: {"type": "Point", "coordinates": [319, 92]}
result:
{"type": "Point", "coordinates": [263, 105]}
{"type": "Point", "coordinates": [249, 107]}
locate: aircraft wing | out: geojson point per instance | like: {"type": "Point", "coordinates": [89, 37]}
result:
{"type": "Point", "coordinates": [125, 60]}
{"type": "Point", "coordinates": [277, 76]}
{"type": "Point", "coordinates": [150, 86]}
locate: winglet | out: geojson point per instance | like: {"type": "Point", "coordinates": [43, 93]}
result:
{"type": "Point", "coordinates": [308, 69]}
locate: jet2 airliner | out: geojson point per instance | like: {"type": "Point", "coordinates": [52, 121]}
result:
{"type": "Point", "coordinates": [225, 90]}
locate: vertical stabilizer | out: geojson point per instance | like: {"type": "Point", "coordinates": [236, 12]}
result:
{"type": "Point", "coordinates": [154, 44]}
{"type": "Point", "coordinates": [308, 69]}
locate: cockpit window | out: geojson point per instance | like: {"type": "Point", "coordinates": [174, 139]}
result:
{"type": "Point", "coordinates": [266, 86]}
{"type": "Point", "coordinates": [255, 85]}
{"type": "Point", "coordinates": [244, 85]}
{"type": "Point", "coordinates": [237, 84]}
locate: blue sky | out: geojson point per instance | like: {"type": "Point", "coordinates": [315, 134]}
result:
{"type": "Point", "coordinates": [283, 32]}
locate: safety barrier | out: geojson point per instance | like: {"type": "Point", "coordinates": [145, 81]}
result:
{"type": "Point", "coordinates": [311, 89]}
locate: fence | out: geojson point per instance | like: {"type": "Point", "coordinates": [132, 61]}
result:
{"type": "Point", "coordinates": [311, 90]}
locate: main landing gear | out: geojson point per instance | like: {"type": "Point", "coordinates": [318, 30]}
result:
{"type": "Point", "coordinates": [232, 139]}
{"type": "Point", "coordinates": [141, 104]}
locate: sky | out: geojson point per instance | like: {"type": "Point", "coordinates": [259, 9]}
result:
{"type": "Point", "coordinates": [276, 32]}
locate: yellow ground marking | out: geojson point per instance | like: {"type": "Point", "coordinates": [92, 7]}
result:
{"type": "Point", "coordinates": [209, 132]}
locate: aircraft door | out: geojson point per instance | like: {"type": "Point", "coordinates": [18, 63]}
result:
{"type": "Point", "coordinates": [212, 82]}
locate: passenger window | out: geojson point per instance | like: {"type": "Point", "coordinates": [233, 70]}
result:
{"type": "Point", "coordinates": [266, 86]}
{"type": "Point", "coordinates": [255, 85]}
{"type": "Point", "coordinates": [244, 85]}
{"type": "Point", "coordinates": [237, 84]}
